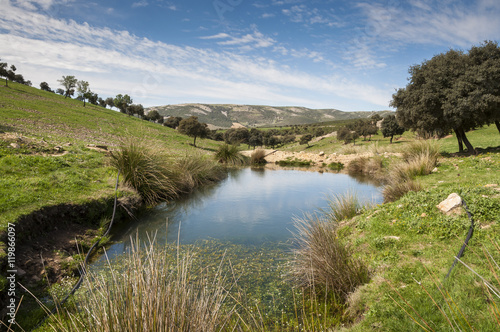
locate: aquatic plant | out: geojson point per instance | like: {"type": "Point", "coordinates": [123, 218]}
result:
{"type": "Point", "coordinates": [230, 154]}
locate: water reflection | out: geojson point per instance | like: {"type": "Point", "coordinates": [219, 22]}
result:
{"type": "Point", "coordinates": [252, 206]}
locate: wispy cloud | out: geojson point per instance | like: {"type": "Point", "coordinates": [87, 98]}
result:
{"type": "Point", "coordinates": [142, 3]}
{"type": "Point", "coordinates": [249, 41]}
{"type": "Point", "coordinates": [460, 23]}
{"type": "Point", "coordinates": [116, 61]}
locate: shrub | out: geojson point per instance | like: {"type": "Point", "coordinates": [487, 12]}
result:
{"type": "Point", "coordinates": [258, 157]}
{"type": "Point", "coordinates": [335, 166]}
{"type": "Point", "coordinates": [323, 261]}
{"type": "Point", "coordinates": [230, 154]}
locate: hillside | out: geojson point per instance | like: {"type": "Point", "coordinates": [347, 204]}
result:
{"type": "Point", "coordinates": [224, 116]}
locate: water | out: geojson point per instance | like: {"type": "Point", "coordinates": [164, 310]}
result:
{"type": "Point", "coordinates": [251, 207]}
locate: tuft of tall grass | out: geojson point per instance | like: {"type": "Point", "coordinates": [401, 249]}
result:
{"type": "Point", "coordinates": [372, 166]}
{"type": "Point", "coordinates": [157, 176]}
{"type": "Point", "coordinates": [230, 154]}
{"type": "Point", "coordinates": [147, 170]}
{"type": "Point", "coordinates": [323, 261]}
{"type": "Point", "coordinates": [398, 187]}
{"type": "Point", "coordinates": [196, 170]}
{"type": "Point", "coordinates": [343, 207]}
{"type": "Point", "coordinates": [419, 158]}
{"type": "Point", "coordinates": [416, 149]}
{"type": "Point", "coordinates": [258, 157]}
{"type": "Point", "coordinates": [149, 293]}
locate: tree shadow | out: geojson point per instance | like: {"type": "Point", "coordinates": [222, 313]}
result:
{"type": "Point", "coordinates": [477, 152]}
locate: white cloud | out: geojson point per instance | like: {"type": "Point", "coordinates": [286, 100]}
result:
{"type": "Point", "coordinates": [142, 3]}
{"type": "Point", "coordinates": [459, 23]}
{"type": "Point", "coordinates": [248, 41]}
{"type": "Point", "coordinates": [118, 62]}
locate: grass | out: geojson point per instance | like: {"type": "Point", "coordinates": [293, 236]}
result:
{"type": "Point", "coordinates": [152, 291]}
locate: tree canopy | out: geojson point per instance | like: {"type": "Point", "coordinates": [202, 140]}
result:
{"type": "Point", "coordinates": [69, 84]}
{"type": "Point", "coordinates": [452, 91]}
{"type": "Point", "coordinates": [390, 127]}
{"type": "Point", "coordinates": [193, 128]}
{"type": "Point", "coordinates": [122, 102]}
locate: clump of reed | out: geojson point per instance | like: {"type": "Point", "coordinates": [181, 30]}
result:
{"type": "Point", "coordinates": [147, 170]}
{"type": "Point", "coordinates": [157, 176]}
{"type": "Point", "coordinates": [196, 170]}
{"type": "Point", "coordinates": [258, 157]}
{"type": "Point", "coordinates": [321, 259]}
{"type": "Point", "coordinates": [149, 292]}
{"type": "Point", "coordinates": [419, 158]}
{"type": "Point", "coordinates": [343, 207]}
{"type": "Point", "coordinates": [372, 166]}
{"type": "Point", "coordinates": [230, 155]}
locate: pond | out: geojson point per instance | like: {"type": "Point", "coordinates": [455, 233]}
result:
{"type": "Point", "coordinates": [243, 225]}
{"type": "Point", "coordinates": [250, 207]}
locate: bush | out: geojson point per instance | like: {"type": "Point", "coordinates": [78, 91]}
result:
{"type": "Point", "coordinates": [230, 154]}
{"type": "Point", "coordinates": [429, 148]}
{"type": "Point", "coordinates": [258, 157]}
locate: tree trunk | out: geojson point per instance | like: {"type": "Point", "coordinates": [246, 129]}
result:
{"type": "Point", "coordinates": [460, 141]}
{"type": "Point", "coordinates": [498, 125]}
{"type": "Point", "coordinates": [194, 143]}
{"type": "Point", "coordinates": [392, 136]}
{"type": "Point", "coordinates": [469, 146]}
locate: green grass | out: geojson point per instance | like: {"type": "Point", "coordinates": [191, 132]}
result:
{"type": "Point", "coordinates": [32, 176]}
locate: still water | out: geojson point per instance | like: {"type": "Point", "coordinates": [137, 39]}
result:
{"type": "Point", "coordinates": [250, 207]}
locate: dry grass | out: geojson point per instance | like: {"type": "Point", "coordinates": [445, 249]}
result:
{"type": "Point", "coordinates": [372, 166]}
{"type": "Point", "coordinates": [258, 157]}
{"type": "Point", "coordinates": [230, 154]}
{"type": "Point", "coordinates": [397, 188]}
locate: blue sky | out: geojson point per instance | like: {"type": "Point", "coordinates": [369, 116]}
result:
{"type": "Point", "coordinates": [349, 55]}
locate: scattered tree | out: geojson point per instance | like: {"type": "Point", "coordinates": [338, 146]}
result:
{"type": "Point", "coordinates": [390, 127]}
{"type": "Point", "coordinates": [101, 102]}
{"type": "Point", "coordinates": [172, 122]}
{"type": "Point", "coordinates": [305, 139]}
{"type": "Point", "coordinates": [347, 135]}
{"type": "Point", "coordinates": [110, 102]}
{"type": "Point", "coordinates": [69, 84]}
{"type": "Point", "coordinates": [236, 136]}
{"type": "Point", "coordinates": [45, 86]}
{"type": "Point", "coordinates": [83, 90]}
{"type": "Point", "coordinates": [122, 102]}
{"type": "Point", "coordinates": [60, 91]}
{"type": "Point", "coordinates": [193, 128]}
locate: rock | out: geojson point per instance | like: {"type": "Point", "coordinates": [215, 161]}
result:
{"type": "Point", "coordinates": [15, 145]}
{"type": "Point", "coordinates": [491, 185]}
{"type": "Point", "coordinates": [451, 205]}
{"type": "Point", "coordinates": [391, 237]}
{"type": "Point", "coordinates": [423, 215]}
{"type": "Point", "coordinates": [322, 153]}
{"type": "Point", "coordinates": [67, 144]}
{"type": "Point", "coordinates": [58, 148]}
{"type": "Point", "coordinates": [435, 170]}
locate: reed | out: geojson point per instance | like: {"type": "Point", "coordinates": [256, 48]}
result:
{"type": "Point", "coordinates": [258, 157]}
{"type": "Point", "coordinates": [151, 291]}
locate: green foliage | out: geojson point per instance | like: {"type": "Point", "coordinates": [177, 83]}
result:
{"type": "Point", "coordinates": [305, 139]}
{"type": "Point", "coordinates": [193, 128]}
{"type": "Point", "coordinates": [69, 84]}
{"type": "Point", "coordinates": [294, 162]}
{"type": "Point", "coordinates": [390, 127]}
{"type": "Point", "coordinates": [452, 91]}
{"type": "Point", "coordinates": [335, 166]}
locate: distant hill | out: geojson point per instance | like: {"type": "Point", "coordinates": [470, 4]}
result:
{"type": "Point", "coordinates": [225, 115]}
